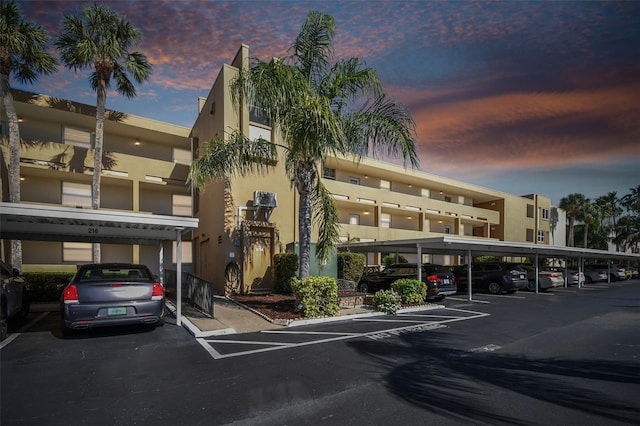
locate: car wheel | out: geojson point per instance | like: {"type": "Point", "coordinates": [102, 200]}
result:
{"type": "Point", "coordinates": [64, 330]}
{"type": "Point", "coordinates": [588, 280]}
{"type": "Point", "coordinates": [495, 288]}
{"type": "Point", "coordinates": [3, 330]}
{"type": "Point", "coordinates": [364, 287]}
{"type": "Point", "coordinates": [531, 286]}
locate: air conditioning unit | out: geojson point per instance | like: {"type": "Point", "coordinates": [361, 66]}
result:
{"type": "Point", "coordinates": [265, 199]}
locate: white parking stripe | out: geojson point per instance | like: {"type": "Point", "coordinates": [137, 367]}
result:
{"type": "Point", "coordinates": [467, 300]}
{"type": "Point", "coordinates": [14, 336]}
{"type": "Point", "coordinates": [307, 332]}
{"type": "Point", "coordinates": [429, 315]}
{"type": "Point", "coordinates": [504, 296]}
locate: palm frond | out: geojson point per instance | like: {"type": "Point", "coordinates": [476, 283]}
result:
{"type": "Point", "coordinates": [313, 48]}
{"type": "Point", "coordinates": [326, 218]}
{"type": "Point", "coordinates": [235, 156]}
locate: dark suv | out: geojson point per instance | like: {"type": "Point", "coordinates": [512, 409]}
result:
{"type": "Point", "coordinates": [440, 280]}
{"type": "Point", "coordinates": [494, 277]}
{"type": "Point", "coordinates": [14, 296]}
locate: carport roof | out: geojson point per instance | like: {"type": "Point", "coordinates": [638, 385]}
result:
{"type": "Point", "coordinates": [21, 221]}
{"type": "Point", "coordinates": [460, 246]}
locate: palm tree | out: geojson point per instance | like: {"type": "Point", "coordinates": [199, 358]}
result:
{"type": "Point", "coordinates": [23, 53]}
{"type": "Point", "coordinates": [320, 109]}
{"type": "Point", "coordinates": [609, 204]}
{"type": "Point", "coordinates": [99, 39]}
{"type": "Point", "coordinates": [573, 204]}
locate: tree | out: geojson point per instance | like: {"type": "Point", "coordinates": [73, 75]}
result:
{"type": "Point", "coordinates": [23, 53]}
{"type": "Point", "coordinates": [99, 39]}
{"type": "Point", "coordinates": [573, 204]}
{"type": "Point", "coordinates": [609, 205]}
{"type": "Point", "coordinates": [320, 110]}
{"type": "Point", "coordinates": [628, 229]}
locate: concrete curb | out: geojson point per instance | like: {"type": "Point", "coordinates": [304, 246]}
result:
{"type": "Point", "coordinates": [193, 329]}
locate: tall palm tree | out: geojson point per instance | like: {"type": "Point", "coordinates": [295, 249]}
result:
{"type": "Point", "coordinates": [573, 204]}
{"type": "Point", "coordinates": [609, 205]}
{"type": "Point", "coordinates": [320, 109]}
{"type": "Point", "coordinates": [23, 53]}
{"type": "Point", "coordinates": [99, 39]}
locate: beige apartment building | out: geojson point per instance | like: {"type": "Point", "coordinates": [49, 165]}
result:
{"type": "Point", "coordinates": [146, 166]}
{"type": "Point", "coordinates": [244, 221]}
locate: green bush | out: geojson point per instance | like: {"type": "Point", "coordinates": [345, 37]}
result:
{"type": "Point", "coordinates": [318, 296]}
{"type": "Point", "coordinates": [285, 267]}
{"type": "Point", "coordinates": [46, 286]}
{"type": "Point", "coordinates": [390, 259]}
{"type": "Point", "coordinates": [387, 301]}
{"type": "Point", "coordinates": [410, 290]}
{"type": "Point", "coordinates": [350, 266]}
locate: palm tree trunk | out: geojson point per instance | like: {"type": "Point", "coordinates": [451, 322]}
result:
{"type": "Point", "coordinates": [305, 179]}
{"type": "Point", "coordinates": [14, 161]}
{"type": "Point", "coordinates": [97, 157]}
{"type": "Point", "coordinates": [586, 232]}
{"type": "Point", "coordinates": [570, 236]}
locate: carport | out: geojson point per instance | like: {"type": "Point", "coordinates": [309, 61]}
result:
{"type": "Point", "coordinates": [21, 221]}
{"type": "Point", "coordinates": [470, 247]}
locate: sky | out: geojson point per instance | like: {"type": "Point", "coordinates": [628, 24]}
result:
{"type": "Point", "coordinates": [519, 96]}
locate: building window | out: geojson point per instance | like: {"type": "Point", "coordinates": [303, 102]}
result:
{"type": "Point", "coordinates": [329, 173]}
{"type": "Point", "coordinates": [385, 184]}
{"type": "Point", "coordinates": [258, 116]}
{"type": "Point", "coordinates": [187, 252]}
{"type": "Point", "coordinates": [529, 210]}
{"type": "Point", "coordinates": [256, 132]}
{"type": "Point", "coordinates": [76, 252]}
{"type": "Point", "coordinates": [447, 198]}
{"type": "Point", "coordinates": [78, 137]}
{"type": "Point", "coordinates": [4, 129]}
{"type": "Point", "coordinates": [76, 194]}
{"type": "Point", "coordinates": [447, 229]}
{"type": "Point", "coordinates": [529, 235]}
{"type": "Point", "coordinates": [385, 220]}
{"type": "Point", "coordinates": [181, 205]}
{"type": "Point", "coordinates": [354, 219]}
{"type": "Point", "coordinates": [541, 236]}
{"type": "Point", "coordinates": [354, 180]}
{"type": "Point", "coordinates": [545, 214]}
{"type": "Point", "coordinates": [182, 156]}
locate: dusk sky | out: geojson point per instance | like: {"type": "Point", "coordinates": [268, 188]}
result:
{"type": "Point", "coordinates": [522, 97]}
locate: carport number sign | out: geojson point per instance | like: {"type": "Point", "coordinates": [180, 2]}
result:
{"type": "Point", "coordinates": [93, 230]}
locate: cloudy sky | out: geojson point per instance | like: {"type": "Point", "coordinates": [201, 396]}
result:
{"type": "Point", "coordinates": [520, 96]}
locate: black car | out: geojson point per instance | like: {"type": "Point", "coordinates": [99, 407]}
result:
{"type": "Point", "coordinates": [494, 277]}
{"type": "Point", "coordinates": [14, 296]}
{"type": "Point", "coordinates": [440, 280]}
{"type": "Point", "coordinates": [108, 294]}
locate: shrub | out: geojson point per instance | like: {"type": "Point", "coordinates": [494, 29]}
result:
{"type": "Point", "coordinates": [410, 290]}
{"type": "Point", "coordinates": [318, 296]}
{"type": "Point", "coordinates": [350, 266]}
{"type": "Point", "coordinates": [285, 267]}
{"type": "Point", "coordinates": [390, 259]}
{"type": "Point", "coordinates": [46, 286]}
{"type": "Point", "coordinates": [387, 301]}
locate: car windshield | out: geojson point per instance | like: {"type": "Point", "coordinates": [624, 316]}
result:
{"type": "Point", "coordinates": [125, 273]}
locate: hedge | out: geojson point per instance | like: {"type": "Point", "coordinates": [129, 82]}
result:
{"type": "Point", "coordinates": [285, 268]}
{"type": "Point", "coordinates": [46, 286]}
{"type": "Point", "coordinates": [318, 296]}
{"type": "Point", "coordinates": [351, 266]}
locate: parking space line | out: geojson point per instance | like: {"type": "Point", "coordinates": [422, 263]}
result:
{"type": "Point", "coordinates": [14, 336]}
{"type": "Point", "coordinates": [505, 296]}
{"type": "Point", "coordinates": [415, 326]}
{"type": "Point", "coordinates": [429, 315]}
{"type": "Point", "coordinates": [467, 300]}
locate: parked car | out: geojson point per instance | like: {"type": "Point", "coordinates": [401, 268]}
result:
{"type": "Point", "coordinates": [440, 280]}
{"type": "Point", "coordinates": [632, 272]}
{"type": "Point", "coordinates": [618, 273]}
{"type": "Point", "coordinates": [494, 277]}
{"type": "Point", "coordinates": [574, 277]}
{"type": "Point", "coordinates": [595, 273]}
{"type": "Point", "coordinates": [14, 296]}
{"type": "Point", "coordinates": [544, 277]}
{"type": "Point", "coordinates": [111, 294]}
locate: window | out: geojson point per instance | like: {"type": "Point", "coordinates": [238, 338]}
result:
{"type": "Point", "coordinates": [385, 184]}
{"type": "Point", "coordinates": [354, 219]}
{"type": "Point", "coordinates": [76, 194]}
{"type": "Point", "coordinates": [329, 173]}
{"type": "Point", "coordinates": [529, 235]}
{"type": "Point", "coordinates": [4, 129]}
{"type": "Point", "coordinates": [76, 252]}
{"type": "Point", "coordinates": [354, 180]}
{"type": "Point", "coordinates": [187, 252]}
{"type": "Point", "coordinates": [545, 214]}
{"type": "Point", "coordinates": [447, 198]}
{"type": "Point", "coordinates": [529, 210]}
{"type": "Point", "coordinates": [541, 236]}
{"type": "Point", "coordinates": [181, 205]}
{"type": "Point", "coordinates": [447, 229]}
{"type": "Point", "coordinates": [182, 156]}
{"type": "Point", "coordinates": [78, 137]}
{"type": "Point", "coordinates": [385, 220]}
{"type": "Point", "coordinates": [258, 116]}
{"type": "Point", "coordinates": [256, 132]}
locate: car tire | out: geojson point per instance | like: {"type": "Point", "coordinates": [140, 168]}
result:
{"type": "Point", "coordinates": [494, 288]}
{"type": "Point", "coordinates": [531, 286]}
{"type": "Point", "coordinates": [64, 330]}
{"type": "Point", "coordinates": [588, 280]}
{"type": "Point", "coordinates": [364, 287]}
{"type": "Point", "coordinates": [3, 329]}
